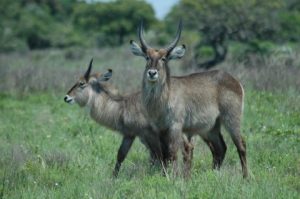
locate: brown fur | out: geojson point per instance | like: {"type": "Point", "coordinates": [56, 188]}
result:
{"type": "Point", "coordinates": [194, 104]}
{"type": "Point", "coordinates": [124, 114]}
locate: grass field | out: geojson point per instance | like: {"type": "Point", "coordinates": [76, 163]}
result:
{"type": "Point", "coordinates": [49, 149]}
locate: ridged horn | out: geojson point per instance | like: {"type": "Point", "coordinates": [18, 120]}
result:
{"type": "Point", "coordinates": [144, 45]}
{"type": "Point", "coordinates": [173, 44]}
{"type": "Point", "coordinates": [87, 73]}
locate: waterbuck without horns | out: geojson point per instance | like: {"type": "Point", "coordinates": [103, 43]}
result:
{"type": "Point", "coordinates": [196, 104]}
{"type": "Point", "coordinates": [120, 113]}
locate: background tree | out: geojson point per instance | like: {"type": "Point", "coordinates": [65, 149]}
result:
{"type": "Point", "coordinates": [37, 24]}
{"type": "Point", "coordinates": [220, 22]}
{"type": "Point", "coordinates": [112, 21]}
{"type": "Point", "coordinates": [212, 26]}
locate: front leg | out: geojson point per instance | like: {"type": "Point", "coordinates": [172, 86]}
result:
{"type": "Point", "coordinates": [122, 153]}
{"type": "Point", "coordinates": [152, 141]}
{"type": "Point", "coordinates": [165, 145]}
{"type": "Point", "coordinates": [187, 152]}
{"type": "Point", "coordinates": [175, 141]}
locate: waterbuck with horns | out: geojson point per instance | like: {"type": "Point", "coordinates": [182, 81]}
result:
{"type": "Point", "coordinates": [196, 104]}
{"type": "Point", "coordinates": [120, 113]}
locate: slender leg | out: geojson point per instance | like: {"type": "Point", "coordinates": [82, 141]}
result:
{"type": "Point", "coordinates": [192, 147]}
{"type": "Point", "coordinates": [175, 141]}
{"type": "Point", "coordinates": [153, 142]}
{"type": "Point", "coordinates": [232, 123]}
{"type": "Point", "coordinates": [122, 153]}
{"type": "Point", "coordinates": [164, 142]}
{"type": "Point", "coordinates": [216, 144]}
{"type": "Point", "coordinates": [231, 118]}
{"type": "Point", "coordinates": [187, 153]}
{"type": "Point", "coordinates": [218, 149]}
{"type": "Point", "coordinates": [241, 148]}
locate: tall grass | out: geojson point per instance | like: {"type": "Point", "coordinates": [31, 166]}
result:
{"type": "Point", "coordinates": [49, 149]}
{"type": "Point", "coordinates": [276, 72]}
{"type": "Point", "coordinates": [56, 70]}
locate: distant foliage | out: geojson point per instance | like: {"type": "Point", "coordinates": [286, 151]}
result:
{"type": "Point", "coordinates": [209, 26]}
{"type": "Point", "coordinates": [250, 22]}
{"type": "Point", "coordinates": [38, 24]}
{"type": "Point", "coordinates": [112, 21]}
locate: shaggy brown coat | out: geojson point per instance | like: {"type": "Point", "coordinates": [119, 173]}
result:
{"type": "Point", "coordinates": [124, 114]}
{"type": "Point", "coordinates": [196, 104]}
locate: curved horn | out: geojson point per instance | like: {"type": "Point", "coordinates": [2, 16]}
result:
{"type": "Point", "coordinates": [175, 41]}
{"type": "Point", "coordinates": [144, 45]}
{"type": "Point", "coordinates": [87, 73]}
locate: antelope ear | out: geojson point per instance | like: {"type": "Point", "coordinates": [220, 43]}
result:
{"type": "Point", "coordinates": [106, 76]}
{"type": "Point", "coordinates": [136, 49]}
{"type": "Point", "coordinates": [177, 52]}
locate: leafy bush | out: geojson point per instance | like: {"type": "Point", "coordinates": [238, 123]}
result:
{"type": "Point", "coordinates": [256, 23]}
{"type": "Point", "coordinates": [42, 24]}
{"type": "Point", "coordinates": [114, 20]}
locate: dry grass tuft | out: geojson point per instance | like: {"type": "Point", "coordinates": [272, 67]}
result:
{"type": "Point", "coordinates": [56, 71]}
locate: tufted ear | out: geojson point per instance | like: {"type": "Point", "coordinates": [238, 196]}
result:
{"type": "Point", "coordinates": [136, 49]}
{"type": "Point", "coordinates": [106, 76]}
{"type": "Point", "coordinates": [177, 52]}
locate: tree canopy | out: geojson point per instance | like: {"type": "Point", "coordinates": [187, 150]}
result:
{"type": "Point", "coordinates": [113, 20]}
{"type": "Point", "coordinates": [250, 22]}
{"type": "Point", "coordinates": [210, 26]}
{"type": "Point", "coordinates": [36, 24]}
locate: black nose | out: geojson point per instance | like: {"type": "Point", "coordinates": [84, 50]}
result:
{"type": "Point", "coordinates": [65, 98]}
{"type": "Point", "coordinates": [152, 73]}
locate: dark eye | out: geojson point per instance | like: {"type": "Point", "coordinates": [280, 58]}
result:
{"type": "Point", "coordinates": [164, 59]}
{"type": "Point", "coordinates": [147, 58]}
{"type": "Point", "coordinates": [81, 84]}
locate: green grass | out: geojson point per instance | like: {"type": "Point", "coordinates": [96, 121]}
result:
{"type": "Point", "coordinates": [49, 149]}
{"type": "Point", "coordinates": [53, 150]}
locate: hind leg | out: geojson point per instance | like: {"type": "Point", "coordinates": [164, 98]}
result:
{"type": "Point", "coordinates": [218, 149]}
{"type": "Point", "coordinates": [232, 124]}
{"type": "Point", "coordinates": [215, 141]}
{"type": "Point", "coordinates": [241, 148]}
